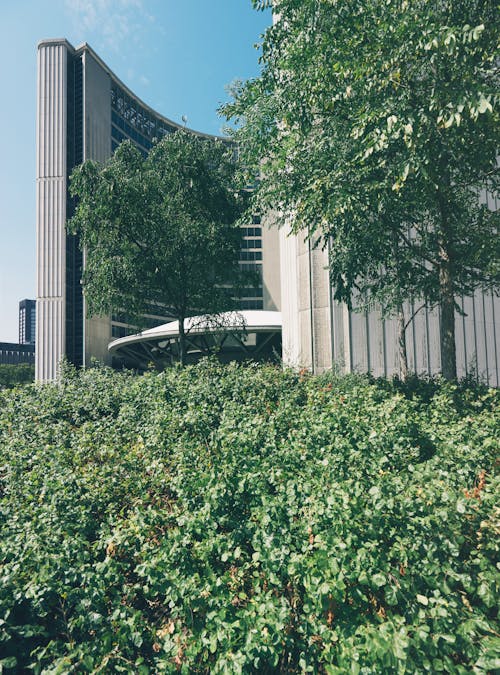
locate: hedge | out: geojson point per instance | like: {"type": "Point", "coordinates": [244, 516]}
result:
{"type": "Point", "coordinates": [240, 519]}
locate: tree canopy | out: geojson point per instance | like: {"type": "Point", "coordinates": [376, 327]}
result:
{"type": "Point", "coordinates": [160, 229]}
{"type": "Point", "coordinates": [374, 123]}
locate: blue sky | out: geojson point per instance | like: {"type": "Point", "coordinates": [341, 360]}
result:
{"type": "Point", "coordinates": [176, 55]}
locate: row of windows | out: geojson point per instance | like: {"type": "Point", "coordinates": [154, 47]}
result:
{"type": "Point", "coordinates": [252, 292]}
{"type": "Point", "coordinates": [134, 115]}
{"type": "Point", "coordinates": [14, 354]}
{"type": "Point", "coordinates": [120, 331]}
{"type": "Point", "coordinates": [251, 304]}
{"type": "Point", "coordinates": [27, 326]}
{"type": "Point", "coordinates": [121, 129]}
{"type": "Point", "coordinates": [74, 156]}
{"type": "Point", "coordinates": [118, 137]}
{"type": "Point", "coordinates": [115, 144]}
{"type": "Point", "coordinates": [251, 231]}
{"type": "Point", "coordinates": [253, 300]}
{"type": "Point", "coordinates": [251, 267]}
{"type": "Point", "coordinates": [251, 243]}
{"type": "Point", "coordinates": [156, 308]}
{"type": "Point", "coordinates": [146, 321]}
{"type": "Point", "coordinates": [250, 255]}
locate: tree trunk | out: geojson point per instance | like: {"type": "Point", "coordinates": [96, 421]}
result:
{"type": "Point", "coordinates": [403, 356]}
{"type": "Point", "coordinates": [182, 342]}
{"type": "Point", "coordinates": [446, 296]}
{"type": "Point", "coordinates": [447, 333]}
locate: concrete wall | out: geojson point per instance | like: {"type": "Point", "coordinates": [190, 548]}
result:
{"type": "Point", "coordinates": [271, 277]}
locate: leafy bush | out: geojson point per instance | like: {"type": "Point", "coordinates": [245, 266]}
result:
{"type": "Point", "coordinates": [231, 519]}
{"type": "Point", "coordinates": [12, 375]}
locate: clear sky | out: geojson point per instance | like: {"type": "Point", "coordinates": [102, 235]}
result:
{"type": "Point", "coordinates": [176, 55]}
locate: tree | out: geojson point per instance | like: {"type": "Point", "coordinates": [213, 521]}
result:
{"type": "Point", "coordinates": [160, 230]}
{"type": "Point", "coordinates": [374, 124]}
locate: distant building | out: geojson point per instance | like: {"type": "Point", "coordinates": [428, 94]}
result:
{"type": "Point", "coordinates": [27, 322]}
{"type": "Point", "coordinates": [14, 354]}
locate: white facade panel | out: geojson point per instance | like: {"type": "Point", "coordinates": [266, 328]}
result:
{"type": "Point", "coordinates": [271, 277]}
{"type": "Point", "coordinates": [289, 297]}
{"type": "Point", "coordinates": [494, 302]}
{"type": "Point", "coordinates": [460, 341]}
{"type": "Point", "coordinates": [51, 208]}
{"type": "Point", "coordinates": [376, 332]}
{"type": "Point", "coordinates": [320, 302]}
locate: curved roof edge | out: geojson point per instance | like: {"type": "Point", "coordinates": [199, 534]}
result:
{"type": "Point", "coordinates": [85, 47]}
{"type": "Point", "coordinates": [250, 321]}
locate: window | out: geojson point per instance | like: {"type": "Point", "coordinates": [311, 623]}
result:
{"type": "Point", "coordinates": [250, 255]}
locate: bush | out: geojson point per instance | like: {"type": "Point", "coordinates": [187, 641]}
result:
{"type": "Point", "coordinates": [12, 375]}
{"type": "Point", "coordinates": [234, 519]}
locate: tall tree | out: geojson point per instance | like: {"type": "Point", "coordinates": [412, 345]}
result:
{"type": "Point", "coordinates": [375, 124]}
{"type": "Point", "coordinates": [160, 230]}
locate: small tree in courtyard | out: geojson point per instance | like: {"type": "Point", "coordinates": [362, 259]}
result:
{"type": "Point", "coordinates": [160, 230]}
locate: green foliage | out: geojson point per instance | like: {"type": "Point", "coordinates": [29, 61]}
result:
{"type": "Point", "coordinates": [234, 519]}
{"type": "Point", "coordinates": [378, 124]}
{"type": "Point", "coordinates": [11, 375]}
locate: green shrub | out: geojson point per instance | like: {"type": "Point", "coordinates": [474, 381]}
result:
{"type": "Point", "coordinates": [231, 519]}
{"type": "Point", "coordinates": [12, 375]}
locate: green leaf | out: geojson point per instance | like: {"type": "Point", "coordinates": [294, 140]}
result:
{"type": "Point", "coordinates": [379, 579]}
{"type": "Point", "coordinates": [484, 105]}
{"type": "Point", "coordinates": [391, 595]}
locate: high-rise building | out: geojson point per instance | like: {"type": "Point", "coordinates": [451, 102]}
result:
{"type": "Point", "coordinates": [27, 322]}
{"type": "Point", "coordinates": [85, 112]}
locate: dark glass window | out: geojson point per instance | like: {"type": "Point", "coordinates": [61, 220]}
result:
{"type": "Point", "coordinates": [74, 262]}
{"type": "Point", "coordinates": [250, 255]}
{"type": "Point", "coordinates": [251, 267]}
{"type": "Point", "coordinates": [134, 121]}
{"type": "Point", "coordinates": [252, 292]}
{"type": "Point", "coordinates": [251, 304]}
{"type": "Point", "coordinates": [251, 243]}
{"type": "Point", "coordinates": [251, 231]}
